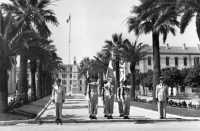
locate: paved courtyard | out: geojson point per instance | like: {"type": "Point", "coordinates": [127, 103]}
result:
{"type": "Point", "coordinates": [76, 108]}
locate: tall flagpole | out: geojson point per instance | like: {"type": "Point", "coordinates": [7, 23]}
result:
{"type": "Point", "coordinates": [69, 39]}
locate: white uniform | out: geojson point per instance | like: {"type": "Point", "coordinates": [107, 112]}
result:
{"type": "Point", "coordinates": [161, 95]}
{"type": "Point", "coordinates": [58, 95]}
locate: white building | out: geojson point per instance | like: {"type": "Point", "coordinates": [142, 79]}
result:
{"type": "Point", "coordinates": [172, 56]}
{"type": "Point", "coordinates": [71, 80]}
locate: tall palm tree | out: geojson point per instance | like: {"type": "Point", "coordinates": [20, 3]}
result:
{"type": "Point", "coordinates": [48, 63]}
{"type": "Point", "coordinates": [84, 70]}
{"type": "Point", "coordinates": [37, 47]}
{"type": "Point", "coordinates": [191, 9]}
{"type": "Point", "coordinates": [133, 53]}
{"type": "Point", "coordinates": [102, 60]}
{"type": "Point", "coordinates": [158, 17]}
{"type": "Point", "coordinates": [11, 41]}
{"type": "Point", "coordinates": [113, 47]}
{"type": "Point", "coordinates": [34, 14]}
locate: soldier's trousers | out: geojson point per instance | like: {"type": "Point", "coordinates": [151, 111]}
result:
{"type": "Point", "coordinates": [58, 110]}
{"type": "Point", "coordinates": [109, 103]}
{"type": "Point", "coordinates": [93, 106]}
{"type": "Point", "coordinates": [120, 107]}
{"type": "Point", "coordinates": [126, 106]}
{"type": "Point", "coordinates": [162, 109]}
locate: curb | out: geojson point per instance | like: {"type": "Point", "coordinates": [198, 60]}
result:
{"type": "Point", "coordinates": [137, 121]}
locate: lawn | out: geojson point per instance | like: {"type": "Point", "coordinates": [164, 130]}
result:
{"type": "Point", "coordinates": [171, 110]}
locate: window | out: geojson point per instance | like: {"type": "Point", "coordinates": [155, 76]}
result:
{"type": "Point", "coordinates": [80, 82]}
{"type": "Point", "coordinates": [176, 61]}
{"type": "Point", "coordinates": [70, 75]}
{"type": "Point", "coordinates": [196, 60]}
{"type": "Point", "coordinates": [64, 82]}
{"type": "Point", "coordinates": [149, 60]}
{"type": "Point", "coordinates": [80, 88]}
{"type": "Point", "coordinates": [64, 75]}
{"type": "Point", "coordinates": [167, 61]}
{"type": "Point", "coordinates": [70, 69]}
{"type": "Point", "coordinates": [70, 82]}
{"type": "Point", "coordinates": [185, 61]}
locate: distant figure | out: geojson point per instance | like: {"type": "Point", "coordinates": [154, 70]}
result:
{"type": "Point", "coordinates": [126, 95]}
{"type": "Point", "coordinates": [93, 98]}
{"type": "Point", "coordinates": [109, 99]}
{"type": "Point", "coordinates": [161, 95]}
{"type": "Point", "coordinates": [120, 100]}
{"type": "Point", "coordinates": [58, 97]}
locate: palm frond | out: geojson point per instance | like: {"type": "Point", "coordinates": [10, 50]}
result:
{"type": "Point", "coordinates": [198, 25]}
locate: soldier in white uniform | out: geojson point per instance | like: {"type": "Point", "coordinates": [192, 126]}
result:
{"type": "Point", "coordinates": [58, 97]}
{"type": "Point", "coordinates": [93, 98]}
{"type": "Point", "coordinates": [161, 95]}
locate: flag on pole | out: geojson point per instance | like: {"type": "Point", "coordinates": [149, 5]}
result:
{"type": "Point", "coordinates": [110, 73]}
{"type": "Point", "coordinates": [69, 19]}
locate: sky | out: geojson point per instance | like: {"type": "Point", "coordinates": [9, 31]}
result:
{"type": "Point", "coordinates": [94, 21]}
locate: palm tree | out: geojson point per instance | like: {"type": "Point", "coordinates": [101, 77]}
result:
{"type": "Point", "coordinates": [84, 70]}
{"type": "Point", "coordinates": [159, 18]}
{"type": "Point", "coordinates": [11, 41]}
{"type": "Point", "coordinates": [133, 53]}
{"type": "Point", "coordinates": [37, 47]}
{"type": "Point", "coordinates": [48, 63]}
{"type": "Point", "coordinates": [113, 47]}
{"type": "Point", "coordinates": [191, 9]}
{"type": "Point", "coordinates": [35, 15]}
{"type": "Point", "coordinates": [102, 60]}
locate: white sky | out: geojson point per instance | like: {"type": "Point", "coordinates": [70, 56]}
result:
{"type": "Point", "coordinates": [94, 21]}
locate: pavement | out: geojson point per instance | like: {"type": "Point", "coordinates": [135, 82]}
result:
{"type": "Point", "coordinates": [75, 110]}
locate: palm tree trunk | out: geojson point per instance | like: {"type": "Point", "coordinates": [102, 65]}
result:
{"type": "Point", "coordinates": [33, 66]}
{"type": "Point", "coordinates": [23, 82]}
{"type": "Point", "coordinates": [101, 83]}
{"type": "Point", "coordinates": [86, 85]}
{"type": "Point", "coordinates": [117, 74]}
{"type": "Point", "coordinates": [133, 83]}
{"type": "Point", "coordinates": [3, 90]}
{"type": "Point", "coordinates": [156, 61]}
{"type": "Point", "coordinates": [39, 87]}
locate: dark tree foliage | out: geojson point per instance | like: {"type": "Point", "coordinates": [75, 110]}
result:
{"type": "Point", "coordinates": [193, 77]}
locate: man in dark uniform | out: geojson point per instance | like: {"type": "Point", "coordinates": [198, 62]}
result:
{"type": "Point", "coordinates": [104, 93]}
{"type": "Point", "coordinates": [93, 98]}
{"type": "Point", "coordinates": [126, 100]}
{"type": "Point", "coordinates": [109, 99]}
{"type": "Point", "coordinates": [120, 100]}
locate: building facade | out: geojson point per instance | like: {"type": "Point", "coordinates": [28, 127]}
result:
{"type": "Point", "coordinates": [171, 56]}
{"type": "Point", "coordinates": [71, 80]}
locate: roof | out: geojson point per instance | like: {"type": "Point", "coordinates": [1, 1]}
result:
{"type": "Point", "coordinates": [176, 50]}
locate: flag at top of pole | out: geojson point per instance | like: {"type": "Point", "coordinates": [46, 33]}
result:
{"type": "Point", "coordinates": [69, 18]}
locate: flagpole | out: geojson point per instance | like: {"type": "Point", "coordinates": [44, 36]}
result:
{"type": "Point", "coordinates": [70, 39]}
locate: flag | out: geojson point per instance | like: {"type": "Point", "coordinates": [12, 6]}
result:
{"type": "Point", "coordinates": [69, 19]}
{"type": "Point", "coordinates": [109, 73]}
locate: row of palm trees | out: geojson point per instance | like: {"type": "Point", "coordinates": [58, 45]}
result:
{"type": "Point", "coordinates": [119, 50]}
{"type": "Point", "coordinates": [158, 17]}
{"type": "Point", "coordinates": [24, 32]}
